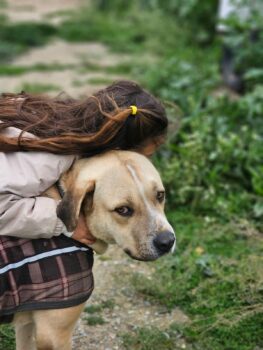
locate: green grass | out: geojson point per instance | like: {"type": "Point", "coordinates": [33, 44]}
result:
{"type": "Point", "coordinates": [150, 339]}
{"type": "Point", "coordinates": [107, 304]}
{"type": "Point", "coordinates": [129, 68]}
{"type": "Point", "coordinates": [124, 68]}
{"type": "Point", "coordinates": [246, 334]}
{"type": "Point", "coordinates": [59, 13]}
{"type": "Point", "coordinates": [216, 277]}
{"type": "Point", "coordinates": [7, 70]}
{"type": "Point", "coordinates": [7, 337]}
{"type": "Point", "coordinates": [100, 81]}
{"type": "Point", "coordinates": [16, 38]}
{"type": "Point", "coordinates": [39, 88]}
{"type": "Point", "coordinates": [29, 34]}
{"type": "Point", "coordinates": [93, 312]}
{"type": "Point", "coordinates": [13, 70]}
{"type": "Point", "coordinates": [94, 320]}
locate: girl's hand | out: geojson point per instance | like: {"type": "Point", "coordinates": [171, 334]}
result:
{"type": "Point", "coordinates": [82, 233]}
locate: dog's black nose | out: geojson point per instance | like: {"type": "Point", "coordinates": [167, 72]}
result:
{"type": "Point", "coordinates": [164, 241]}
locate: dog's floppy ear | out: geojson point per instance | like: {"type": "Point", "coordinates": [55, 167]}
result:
{"type": "Point", "coordinates": [68, 209]}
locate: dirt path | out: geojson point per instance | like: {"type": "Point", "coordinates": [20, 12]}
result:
{"type": "Point", "coordinates": [69, 77]}
{"type": "Point", "coordinates": [70, 58]}
{"type": "Point", "coordinates": [125, 309]}
{"type": "Point", "coordinates": [37, 10]}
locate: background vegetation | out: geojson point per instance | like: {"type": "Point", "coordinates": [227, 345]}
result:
{"type": "Point", "coordinates": [211, 165]}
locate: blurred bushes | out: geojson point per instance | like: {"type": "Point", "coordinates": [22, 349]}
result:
{"type": "Point", "coordinates": [27, 34]}
{"type": "Point", "coordinates": [132, 32]}
{"type": "Point", "coordinates": [214, 162]}
{"type": "Point", "coordinates": [246, 41]}
{"type": "Point", "coordinates": [200, 17]}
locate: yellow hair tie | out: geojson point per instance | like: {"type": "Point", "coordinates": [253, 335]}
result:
{"type": "Point", "coordinates": [134, 110]}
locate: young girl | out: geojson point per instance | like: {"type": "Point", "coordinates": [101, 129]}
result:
{"type": "Point", "coordinates": [40, 138]}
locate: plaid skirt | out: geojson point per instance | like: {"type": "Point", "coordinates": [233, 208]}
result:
{"type": "Point", "coordinates": [43, 274]}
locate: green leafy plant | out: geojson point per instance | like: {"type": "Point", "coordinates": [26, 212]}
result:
{"type": "Point", "coordinates": [245, 38]}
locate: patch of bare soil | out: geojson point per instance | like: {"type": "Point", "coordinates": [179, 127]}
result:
{"type": "Point", "coordinates": [69, 80]}
{"type": "Point", "coordinates": [75, 55]}
{"type": "Point", "coordinates": [38, 10]}
{"type": "Point", "coordinates": [129, 311]}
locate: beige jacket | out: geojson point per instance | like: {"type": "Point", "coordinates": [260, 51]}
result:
{"type": "Point", "coordinates": [24, 176]}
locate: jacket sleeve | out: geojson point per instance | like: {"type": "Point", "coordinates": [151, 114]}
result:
{"type": "Point", "coordinates": [24, 176]}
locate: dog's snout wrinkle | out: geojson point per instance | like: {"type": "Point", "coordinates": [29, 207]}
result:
{"type": "Point", "coordinates": [140, 188]}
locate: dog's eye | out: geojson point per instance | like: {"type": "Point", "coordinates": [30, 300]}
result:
{"type": "Point", "coordinates": [160, 196]}
{"type": "Point", "coordinates": [124, 211]}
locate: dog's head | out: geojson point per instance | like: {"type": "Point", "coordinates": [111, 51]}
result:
{"type": "Point", "coordinates": [122, 197]}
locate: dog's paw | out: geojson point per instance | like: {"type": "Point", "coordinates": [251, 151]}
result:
{"type": "Point", "coordinates": [99, 246]}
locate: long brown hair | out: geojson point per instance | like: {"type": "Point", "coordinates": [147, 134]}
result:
{"type": "Point", "coordinates": [68, 126]}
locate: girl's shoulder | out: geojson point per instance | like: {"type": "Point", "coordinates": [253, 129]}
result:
{"type": "Point", "coordinates": [30, 173]}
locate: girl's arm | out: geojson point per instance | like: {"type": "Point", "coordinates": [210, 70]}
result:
{"type": "Point", "coordinates": [24, 176]}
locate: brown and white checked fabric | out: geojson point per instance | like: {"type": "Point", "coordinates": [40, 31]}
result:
{"type": "Point", "coordinates": [43, 274]}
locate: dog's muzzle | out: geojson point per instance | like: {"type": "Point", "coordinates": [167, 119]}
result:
{"type": "Point", "coordinates": [163, 242]}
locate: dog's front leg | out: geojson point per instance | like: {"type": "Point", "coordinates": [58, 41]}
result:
{"type": "Point", "coordinates": [54, 328]}
{"type": "Point", "coordinates": [24, 329]}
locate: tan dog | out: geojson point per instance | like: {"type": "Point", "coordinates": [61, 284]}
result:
{"type": "Point", "coordinates": [122, 197]}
